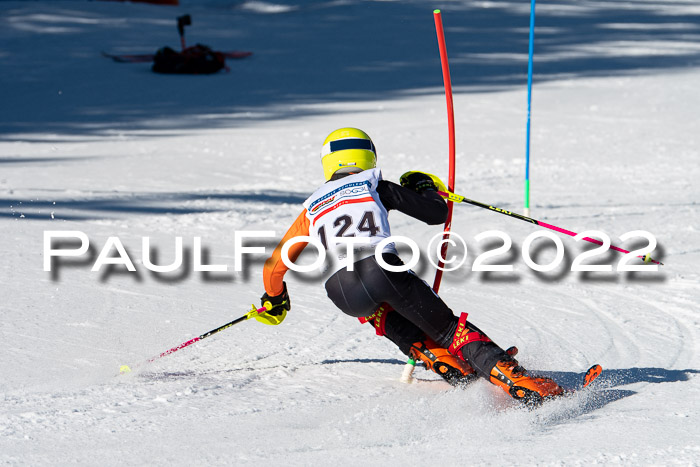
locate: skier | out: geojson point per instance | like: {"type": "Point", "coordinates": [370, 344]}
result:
{"type": "Point", "coordinates": [354, 202]}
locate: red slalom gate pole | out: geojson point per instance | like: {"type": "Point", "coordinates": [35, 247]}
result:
{"type": "Point", "coordinates": [407, 377]}
{"type": "Point", "coordinates": [451, 130]}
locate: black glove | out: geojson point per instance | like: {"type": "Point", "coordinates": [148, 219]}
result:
{"type": "Point", "coordinates": [277, 305]}
{"type": "Point", "coordinates": [418, 182]}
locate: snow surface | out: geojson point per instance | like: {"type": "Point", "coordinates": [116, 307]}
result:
{"type": "Point", "coordinates": [114, 150]}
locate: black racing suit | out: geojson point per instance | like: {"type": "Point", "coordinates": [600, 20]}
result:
{"type": "Point", "coordinates": [419, 312]}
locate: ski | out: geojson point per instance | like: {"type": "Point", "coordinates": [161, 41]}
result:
{"type": "Point", "coordinates": [142, 58]}
{"type": "Point", "coordinates": [591, 375]}
{"type": "Point", "coordinates": [147, 58]}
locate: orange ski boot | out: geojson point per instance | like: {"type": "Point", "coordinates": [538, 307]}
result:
{"type": "Point", "coordinates": [518, 383]}
{"type": "Point", "coordinates": [452, 369]}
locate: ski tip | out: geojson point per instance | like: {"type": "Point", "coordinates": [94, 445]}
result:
{"type": "Point", "coordinates": [591, 375]}
{"type": "Point", "coordinates": [124, 369]}
{"type": "Point", "coordinates": [436, 12]}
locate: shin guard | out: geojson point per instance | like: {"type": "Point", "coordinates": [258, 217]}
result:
{"type": "Point", "coordinates": [378, 319]}
{"type": "Point", "coordinates": [464, 335]}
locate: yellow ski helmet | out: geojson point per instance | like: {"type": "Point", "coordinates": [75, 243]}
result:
{"type": "Point", "coordinates": [347, 150]}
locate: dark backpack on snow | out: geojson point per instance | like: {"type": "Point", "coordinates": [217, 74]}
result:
{"type": "Point", "coordinates": [198, 59]}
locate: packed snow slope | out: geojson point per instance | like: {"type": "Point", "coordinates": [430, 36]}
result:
{"type": "Point", "coordinates": [114, 150]}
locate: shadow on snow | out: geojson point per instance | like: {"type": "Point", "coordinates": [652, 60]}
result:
{"type": "Point", "coordinates": [315, 52]}
{"type": "Point", "coordinates": [144, 204]}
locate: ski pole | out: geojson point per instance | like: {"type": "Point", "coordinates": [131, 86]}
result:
{"type": "Point", "coordinates": [183, 21]}
{"type": "Point", "coordinates": [251, 314]}
{"type": "Point", "coordinates": [461, 199]}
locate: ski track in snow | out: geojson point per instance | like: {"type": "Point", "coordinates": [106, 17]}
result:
{"type": "Point", "coordinates": [114, 150]}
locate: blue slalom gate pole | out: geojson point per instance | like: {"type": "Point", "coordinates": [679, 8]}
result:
{"type": "Point", "coordinates": [529, 107]}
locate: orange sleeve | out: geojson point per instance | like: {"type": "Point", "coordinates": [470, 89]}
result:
{"type": "Point", "coordinates": [274, 269]}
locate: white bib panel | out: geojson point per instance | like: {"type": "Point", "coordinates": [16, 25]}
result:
{"type": "Point", "coordinates": [349, 207]}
